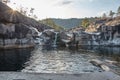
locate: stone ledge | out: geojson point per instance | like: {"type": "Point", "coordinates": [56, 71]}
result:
{"type": "Point", "coordinates": [15, 46]}
{"type": "Point", "coordinates": [52, 76]}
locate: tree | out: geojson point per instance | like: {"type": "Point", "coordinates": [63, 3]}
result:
{"type": "Point", "coordinates": [52, 24]}
{"type": "Point", "coordinates": [32, 10]}
{"type": "Point", "coordinates": [6, 1]}
{"type": "Point", "coordinates": [85, 22]}
{"type": "Point", "coordinates": [111, 14]}
{"type": "Point", "coordinates": [104, 15]}
{"type": "Point", "coordinates": [118, 11]}
{"type": "Point", "coordinates": [22, 10]}
{"type": "Point", "coordinates": [35, 17]}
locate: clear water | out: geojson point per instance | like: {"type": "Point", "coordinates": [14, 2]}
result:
{"type": "Point", "coordinates": [47, 60]}
{"type": "Point", "coordinates": [60, 61]}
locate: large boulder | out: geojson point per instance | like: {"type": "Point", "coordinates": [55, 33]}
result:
{"type": "Point", "coordinates": [66, 37]}
{"type": "Point", "coordinates": [18, 27]}
{"type": "Point", "coordinates": [7, 15]}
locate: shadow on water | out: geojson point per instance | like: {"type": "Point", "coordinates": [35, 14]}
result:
{"type": "Point", "coordinates": [13, 59]}
{"type": "Point", "coordinates": [104, 51]}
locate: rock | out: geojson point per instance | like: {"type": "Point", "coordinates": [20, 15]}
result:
{"type": "Point", "coordinates": [7, 15]}
{"type": "Point", "coordinates": [105, 68]}
{"type": "Point", "coordinates": [103, 32]}
{"type": "Point", "coordinates": [15, 26]}
{"type": "Point", "coordinates": [111, 62]}
{"type": "Point", "coordinates": [66, 37]}
{"type": "Point", "coordinates": [100, 64]}
{"type": "Point", "coordinates": [52, 76]}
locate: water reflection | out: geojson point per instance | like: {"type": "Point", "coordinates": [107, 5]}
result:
{"type": "Point", "coordinates": [105, 52]}
{"type": "Point", "coordinates": [13, 59]}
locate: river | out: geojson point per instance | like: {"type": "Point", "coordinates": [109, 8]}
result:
{"type": "Point", "coordinates": [62, 60]}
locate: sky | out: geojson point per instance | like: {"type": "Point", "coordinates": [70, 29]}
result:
{"type": "Point", "coordinates": [67, 8]}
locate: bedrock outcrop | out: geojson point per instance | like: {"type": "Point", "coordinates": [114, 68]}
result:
{"type": "Point", "coordinates": [17, 30]}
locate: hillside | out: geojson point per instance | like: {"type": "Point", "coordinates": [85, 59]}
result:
{"type": "Point", "coordinates": [52, 24]}
{"type": "Point", "coordinates": [7, 15]}
{"type": "Point", "coordinates": [68, 23]}
{"type": "Point", "coordinates": [109, 22]}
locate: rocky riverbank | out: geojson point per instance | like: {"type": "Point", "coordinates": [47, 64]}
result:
{"type": "Point", "coordinates": [103, 32]}
{"type": "Point", "coordinates": [17, 30]}
{"type": "Point", "coordinates": [51, 76]}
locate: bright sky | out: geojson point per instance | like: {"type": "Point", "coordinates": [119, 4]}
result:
{"type": "Point", "coordinates": [67, 8]}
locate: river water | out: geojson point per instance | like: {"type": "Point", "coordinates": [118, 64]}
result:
{"type": "Point", "coordinates": [60, 60]}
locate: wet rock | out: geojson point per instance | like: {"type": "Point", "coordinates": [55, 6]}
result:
{"type": "Point", "coordinates": [66, 37]}
{"type": "Point", "coordinates": [100, 64]}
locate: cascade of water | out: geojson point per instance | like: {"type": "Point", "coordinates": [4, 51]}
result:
{"type": "Point", "coordinates": [35, 30]}
{"type": "Point", "coordinates": [55, 40]}
{"type": "Point", "coordinates": [94, 40]}
{"type": "Point", "coordinates": [38, 39]}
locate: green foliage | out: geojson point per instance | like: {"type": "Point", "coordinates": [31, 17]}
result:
{"type": "Point", "coordinates": [51, 23]}
{"type": "Point", "coordinates": [67, 23]}
{"type": "Point", "coordinates": [85, 23]}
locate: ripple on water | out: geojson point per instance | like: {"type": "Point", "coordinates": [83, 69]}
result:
{"type": "Point", "coordinates": [59, 61]}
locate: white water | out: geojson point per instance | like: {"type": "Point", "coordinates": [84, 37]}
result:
{"type": "Point", "coordinates": [55, 41]}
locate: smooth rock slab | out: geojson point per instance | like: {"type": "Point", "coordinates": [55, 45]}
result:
{"type": "Point", "coordinates": [50, 76]}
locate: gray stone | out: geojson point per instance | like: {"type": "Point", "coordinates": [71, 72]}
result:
{"type": "Point", "coordinates": [51, 76]}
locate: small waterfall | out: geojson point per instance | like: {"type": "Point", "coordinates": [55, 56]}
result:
{"type": "Point", "coordinates": [55, 40]}
{"type": "Point", "coordinates": [94, 40]}
{"type": "Point", "coordinates": [93, 37]}
{"type": "Point", "coordinates": [35, 30]}
{"type": "Point", "coordinates": [38, 39]}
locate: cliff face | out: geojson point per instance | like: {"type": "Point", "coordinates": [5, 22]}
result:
{"type": "Point", "coordinates": [17, 29]}
{"type": "Point", "coordinates": [109, 30]}
{"type": "Point", "coordinates": [102, 32]}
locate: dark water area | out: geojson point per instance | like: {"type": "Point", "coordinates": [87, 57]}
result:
{"type": "Point", "coordinates": [62, 60]}
{"type": "Point", "coordinates": [105, 52]}
{"type": "Point", "coordinates": [13, 59]}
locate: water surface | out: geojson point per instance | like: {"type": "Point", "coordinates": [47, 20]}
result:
{"type": "Point", "coordinates": [14, 59]}
{"type": "Point", "coordinates": [51, 60]}
{"type": "Point", "coordinates": [65, 60]}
